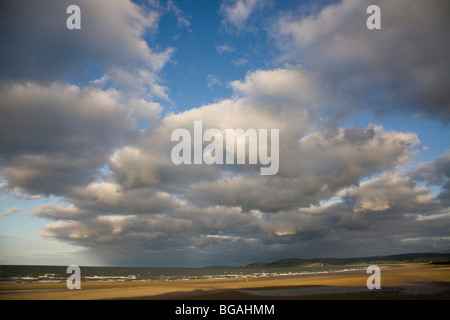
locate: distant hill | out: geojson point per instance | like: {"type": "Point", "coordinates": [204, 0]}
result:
{"type": "Point", "coordinates": [220, 266]}
{"type": "Point", "coordinates": [434, 258]}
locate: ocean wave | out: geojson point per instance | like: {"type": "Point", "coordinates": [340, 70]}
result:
{"type": "Point", "coordinates": [27, 274]}
{"type": "Point", "coordinates": [110, 278]}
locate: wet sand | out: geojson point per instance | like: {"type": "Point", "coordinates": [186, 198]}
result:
{"type": "Point", "coordinates": [410, 282]}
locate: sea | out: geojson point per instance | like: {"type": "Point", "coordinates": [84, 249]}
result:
{"type": "Point", "coordinates": [42, 274]}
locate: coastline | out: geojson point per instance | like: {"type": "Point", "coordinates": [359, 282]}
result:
{"type": "Point", "coordinates": [405, 282]}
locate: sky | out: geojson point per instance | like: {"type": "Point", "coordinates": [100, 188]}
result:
{"type": "Point", "coordinates": [86, 117]}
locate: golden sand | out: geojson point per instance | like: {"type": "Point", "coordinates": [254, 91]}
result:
{"type": "Point", "coordinates": [402, 282]}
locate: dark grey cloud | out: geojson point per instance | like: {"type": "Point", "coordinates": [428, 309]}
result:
{"type": "Point", "coordinates": [436, 172]}
{"type": "Point", "coordinates": [53, 137]}
{"type": "Point", "coordinates": [50, 118]}
{"type": "Point", "coordinates": [402, 67]}
{"type": "Point", "coordinates": [37, 44]}
{"type": "Point", "coordinates": [238, 237]}
{"type": "Point", "coordinates": [109, 47]}
{"type": "Point", "coordinates": [390, 193]}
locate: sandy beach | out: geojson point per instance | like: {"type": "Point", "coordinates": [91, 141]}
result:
{"type": "Point", "coordinates": [409, 282]}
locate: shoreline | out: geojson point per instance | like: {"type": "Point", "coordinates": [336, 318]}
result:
{"type": "Point", "coordinates": [401, 283]}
